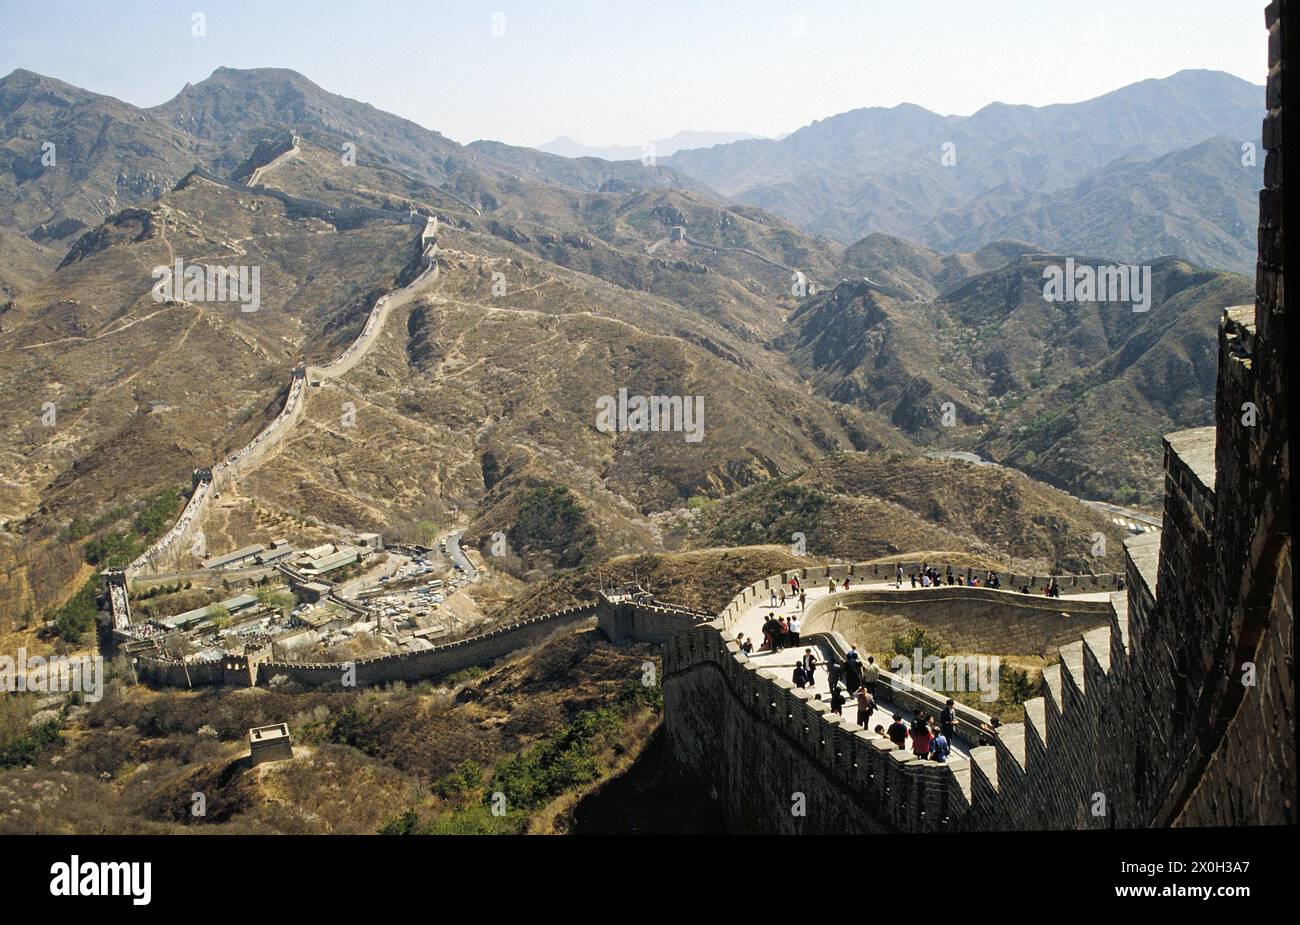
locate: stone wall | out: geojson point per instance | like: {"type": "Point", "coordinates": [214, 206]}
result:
{"type": "Point", "coordinates": [406, 666]}
{"type": "Point", "coordinates": [1179, 709]}
{"type": "Point", "coordinates": [1243, 740]}
{"type": "Point", "coordinates": [965, 619]}
{"type": "Point", "coordinates": [771, 751]}
{"type": "Point", "coordinates": [169, 550]}
{"type": "Point", "coordinates": [651, 622]}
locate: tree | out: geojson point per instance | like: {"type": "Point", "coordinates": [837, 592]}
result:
{"type": "Point", "coordinates": [428, 531]}
{"type": "Point", "coordinates": [218, 614]}
{"type": "Point", "coordinates": [275, 598]}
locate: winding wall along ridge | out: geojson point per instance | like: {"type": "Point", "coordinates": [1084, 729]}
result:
{"type": "Point", "coordinates": [210, 482]}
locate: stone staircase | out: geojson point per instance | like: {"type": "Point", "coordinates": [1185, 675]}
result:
{"type": "Point", "coordinates": [1030, 759]}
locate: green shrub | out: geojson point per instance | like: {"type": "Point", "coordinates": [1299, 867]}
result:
{"type": "Point", "coordinates": [404, 823]}
{"type": "Point", "coordinates": [159, 512]}
{"type": "Point", "coordinates": [23, 749]}
{"type": "Point", "coordinates": [551, 520]}
{"type": "Point", "coordinates": [770, 513]}
{"type": "Point", "coordinates": [917, 638]}
{"type": "Point", "coordinates": [77, 617]}
{"type": "Point", "coordinates": [114, 550]}
{"type": "Point", "coordinates": [557, 763]}
{"type": "Point", "coordinates": [466, 780]}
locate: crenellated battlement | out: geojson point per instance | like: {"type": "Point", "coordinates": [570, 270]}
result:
{"type": "Point", "coordinates": [1178, 708]}
{"type": "Point", "coordinates": [248, 671]}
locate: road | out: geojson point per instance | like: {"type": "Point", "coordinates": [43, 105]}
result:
{"type": "Point", "coordinates": [458, 558]}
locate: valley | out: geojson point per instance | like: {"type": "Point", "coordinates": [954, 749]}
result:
{"type": "Point", "coordinates": [407, 486]}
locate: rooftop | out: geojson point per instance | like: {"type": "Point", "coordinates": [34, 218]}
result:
{"type": "Point", "coordinates": [268, 733]}
{"type": "Point", "coordinates": [232, 604]}
{"type": "Point", "coordinates": [330, 562]}
{"type": "Point", "coordinates": [245, 553]}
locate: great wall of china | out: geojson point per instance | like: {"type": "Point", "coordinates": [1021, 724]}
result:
{"type": "Point", "coordinates": [1175, 706]}
{"type": "Point", "coordinates": [1178, 710]}
{"type": "Point", "coordinates": [640, 619]}
{"type": "Point", "coordinates": [169, 549]}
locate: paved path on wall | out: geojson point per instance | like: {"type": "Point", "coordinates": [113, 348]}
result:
{"type": "Point", "coordinates": [255, 178]}
{"type": "Point", "coordinates": [752, 620]}
{"type": "Point", "coordinates": [783, 662]}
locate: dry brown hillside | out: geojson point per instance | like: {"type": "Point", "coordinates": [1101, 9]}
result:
{"type": "Point", "coordinates": [861, 506]}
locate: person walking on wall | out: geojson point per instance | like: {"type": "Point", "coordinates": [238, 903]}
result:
{"type": "Point", "coordinates": [810, 665]}
{"type": "Point", "coordinates": [833, 673]}
{"type": "Point", "coordinates": [866, 706]}
{"type": "Point", "coordinates": [948, 720]}
{"type": "Point", "coordinates": [922, 739]}
{"type": "Point", "coordinates": [852, 672]}
{"type": "Point", "coordinates": [870, 675]}
{"type": "Point", "coordinates": [897, 732]}
{"type": "Point", "coordinates": [803, 600]}
{"type": "Point", "coordinates": [939, 748]}
{"type": "Point", "coordinates": [795, 625]}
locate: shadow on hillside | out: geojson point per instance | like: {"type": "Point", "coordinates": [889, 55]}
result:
{"type": "Point", "coordinates": [651, 798]}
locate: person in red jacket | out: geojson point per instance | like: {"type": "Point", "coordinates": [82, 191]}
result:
{"type": "Point", "coordinates": [922, 739]}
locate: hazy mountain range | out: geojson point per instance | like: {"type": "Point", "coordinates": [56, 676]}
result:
{"type": "Point", "coordinates": [659, 147]}
{"type": "Point", "coordinates": [474, 404]}
{"type": "Point", "coordinates": [1166, 153]}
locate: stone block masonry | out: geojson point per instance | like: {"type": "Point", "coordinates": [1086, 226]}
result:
{"type": "Point", "coordinates": [1177, 709]}
{"type": "Point", "coordinates": [406, 666]}
{"type": "Point", "coordinates": [269, 743]}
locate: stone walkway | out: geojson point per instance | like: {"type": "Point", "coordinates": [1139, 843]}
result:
{"type": "Point", "coordinates": [783, 662]}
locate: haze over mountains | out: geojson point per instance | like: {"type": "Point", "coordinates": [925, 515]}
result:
{"type": "Point", "coordinates": [1066, 176]}
{"type": "Point", "coordinates": [475, 403]}
{"type": "Point", "coordinates": [659, 147]}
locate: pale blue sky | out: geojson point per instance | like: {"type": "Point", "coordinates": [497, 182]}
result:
{"type": "Point", "coordinates": [614, 72]}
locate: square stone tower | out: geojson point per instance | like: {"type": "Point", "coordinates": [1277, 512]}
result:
{"type": "Point", "coordinates": [269, 743]}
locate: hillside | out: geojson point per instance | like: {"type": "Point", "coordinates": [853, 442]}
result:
{"type": "Point", "coordinates": [106, 155]}
{"type": "Point", "coordinates": [562, 281]}
{"type": "Point", "coordinates": [864, 506]}
{"type": "Point", "coordinates": [469, 399]}
{"type": "Point", "coordinates": [1075, 393]}
{"type": "Point", "coordinates": [1197, 203]}
{"type": "Point", "coordinates": [542, 726]}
